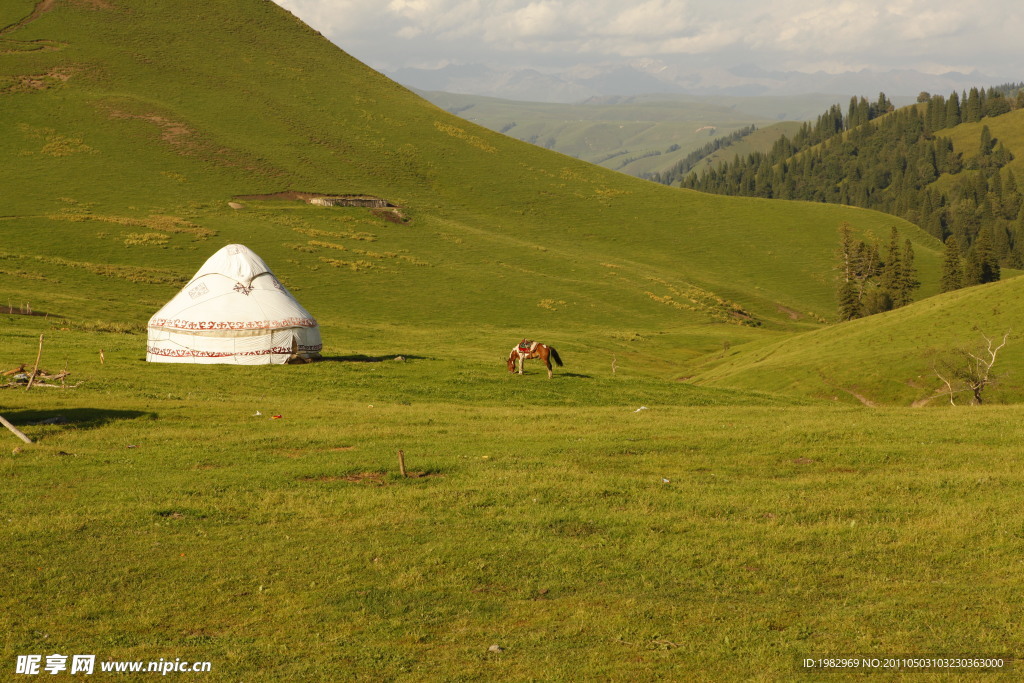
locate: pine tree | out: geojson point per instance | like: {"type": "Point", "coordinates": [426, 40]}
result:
{"type": "Point", "coordinates": [1011, 196]}
{"type": "Point", "coordinates": [883, 106]}
{"type": "Point", "coordinates": [972, 110]}
{"type": "Point", "coordinates": [1001, 244]}
{"type": "Point", "coordinates": [1017, 257]}
{"type": "Point", "coordinates": [846, 249]}
{"type": "Point", "coordinates": [877, 301]}
{"type": "Point", "coordinates": [987, 143]}
{"type": "Point", "coordinates": [952, 269]}
{"type": "Point", "coordinates": [849, 305]}
{"type": "Point", "coordinates": [997, 105]}
{"type": "Point", "coordinates": [892, 271]}
{"type": "Point", "coordinates": [859, 266]}
{"type": "Point", "coordinates": [952, 111]}
{"type": "Point", "coordinates": [908, 280]}
{"type": "Point", "coordinates": [972, 270]}
{"type": "Point", "coordinates": [986, 257]}
{"type": "Point", "coordinates": [867, 267]}
{"type": "Point", "coordinates": [1001, 156]}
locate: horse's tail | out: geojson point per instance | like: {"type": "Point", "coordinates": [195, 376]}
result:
{"type": "Point", "coordinates": [554, 356]}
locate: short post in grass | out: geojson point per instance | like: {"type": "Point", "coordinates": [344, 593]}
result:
{"type": "Point", "coordinates": [401, 462]}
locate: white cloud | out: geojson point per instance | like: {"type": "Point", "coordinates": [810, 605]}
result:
{"type": "Point", "coordinates": [652, 18]}
{"type": "Point", "coordinates": [538, 19]}
{"type": "Point", "coordinates": [769, 33]}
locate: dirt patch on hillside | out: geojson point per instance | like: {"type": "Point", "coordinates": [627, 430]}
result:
{"type": "Point", "coordinates": [41, 9]}
{"type": "Point", "coordinates": [45, 6]}
{"type": "Point", "coordinates": [860, 397]}
{"type": "Point", "coordinates": [187, 141]}
{"type": "Point", "coordinates": [921, 402]}
{"type": "Point", "coordinates": [288, 195]}
{"type": "Point", "coordinates": [36, 82]}
{"type": "Point", "coordinates": [793, 315]}
{"type": "Point", "coordinates": [174, 133]}
{"type": "Point", "coordinates": [381, 208]}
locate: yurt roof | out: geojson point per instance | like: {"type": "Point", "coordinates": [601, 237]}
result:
{"type": "Point", "coordinates": [233, 290]}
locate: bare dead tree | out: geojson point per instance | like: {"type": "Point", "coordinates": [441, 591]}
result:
{"type": "Point", "coordinates": [970, 371]}
{"type": "Point", "coordinates": [948, 381]}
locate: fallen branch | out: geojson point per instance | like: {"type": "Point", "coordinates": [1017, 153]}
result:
{"type": "Point", "coordinates": [39, 354]}
{"type": "Point", "coordinates": [19, 377]}
{"type": "Point", "coordinates": [14, 430]}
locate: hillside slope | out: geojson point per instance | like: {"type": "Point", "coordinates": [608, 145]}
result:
{"type": "Point", "coordinates": [127, 130]}
{"type": "Point", "coordinates": [891, 357]}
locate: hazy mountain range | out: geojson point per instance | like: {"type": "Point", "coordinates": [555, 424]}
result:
{"type": "Point", "coordinates": [644, 76]}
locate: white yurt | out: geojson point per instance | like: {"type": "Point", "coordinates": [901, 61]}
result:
{"type": "Point", "coordinates": [233, 311]}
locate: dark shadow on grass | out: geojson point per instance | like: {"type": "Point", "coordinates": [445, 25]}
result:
{"type": "Point", "coordinates": [14, 310]}
{"type": "Point", "coordinates": [360, 358]}
{"type": "Point", "coordinates": [80, 418]}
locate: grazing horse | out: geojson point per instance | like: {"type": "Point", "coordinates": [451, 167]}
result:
{"type": "Point", "coordinates": [531, 349]}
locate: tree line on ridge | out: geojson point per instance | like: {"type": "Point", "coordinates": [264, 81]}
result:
{"type": "Point", "coordinates": [878, 157]}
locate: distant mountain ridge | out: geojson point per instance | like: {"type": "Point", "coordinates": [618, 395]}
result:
{"type": "Point", "coordinates": [646, 76]}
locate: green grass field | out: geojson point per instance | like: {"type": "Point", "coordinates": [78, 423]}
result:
{"type": "Point", "coordinates": [697, 494]}
{"type": "Point", "coordinates": [712, 535]}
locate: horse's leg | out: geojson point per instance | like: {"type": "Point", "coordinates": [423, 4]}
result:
{"type": "Point", "coordinates": [546, 357]}
{"type": "Point", "coordinates": [521, 358]}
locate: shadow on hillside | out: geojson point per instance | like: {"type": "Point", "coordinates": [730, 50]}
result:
{"type": "Point", "coordinates": [80, 418]}
{"type": "Point", "coordinates": [14, 310]}
{"type": "Point", "coordinates": [360, 358]}
{"type": "Point", "coordinates": [572, 374]}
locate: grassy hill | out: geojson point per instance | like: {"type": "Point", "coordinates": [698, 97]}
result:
{"type": "Point", "coordinates": [1006, 128]}
{"type": "Point", "coordinates": [139, 122]}
{"type": "Point", "coordinates": [610, 523]}
{"type": "Point", "coordinates": [760, 140]}
{"type": "Point", "coordinates": [889, 358]}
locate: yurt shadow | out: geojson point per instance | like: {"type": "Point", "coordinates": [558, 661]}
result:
{"type": "Point", "coordinates": [361, 358]}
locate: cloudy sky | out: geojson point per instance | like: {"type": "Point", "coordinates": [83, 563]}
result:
{"type": "Point", "coordinates": [933, 36]}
